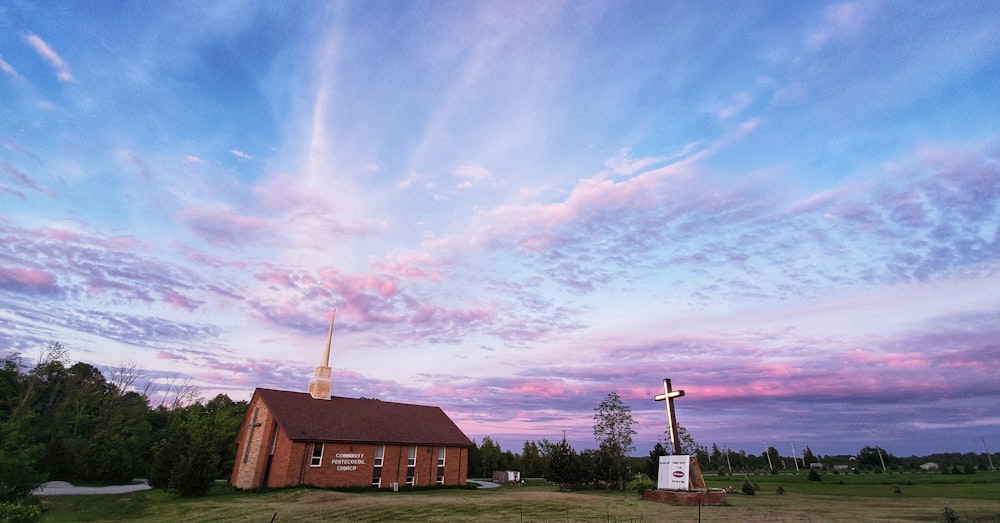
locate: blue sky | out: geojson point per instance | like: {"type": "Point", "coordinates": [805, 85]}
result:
{"type": "Point", "coordinates": [792, 210]}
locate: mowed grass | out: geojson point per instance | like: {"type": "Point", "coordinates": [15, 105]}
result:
{"type": "Point", "coordinates": [984, 485]}
{"type": "Point", "coordinates": [867, 498]}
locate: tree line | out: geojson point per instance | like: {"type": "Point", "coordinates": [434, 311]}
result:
{"type": "Point", "coordinates": [76, 423]}
{"type": "Point", "coordinates": [79, 424]}
{"type": "Point", "coordinates": [611, 464]}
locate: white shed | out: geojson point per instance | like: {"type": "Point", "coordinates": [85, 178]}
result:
{"type": "Point", "coordinates": [506, 476]}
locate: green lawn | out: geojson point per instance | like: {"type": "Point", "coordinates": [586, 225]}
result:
{"type": "Point", "coordinates": [984, 485]}
{"type": "Point", "coordinates": [865, 497]}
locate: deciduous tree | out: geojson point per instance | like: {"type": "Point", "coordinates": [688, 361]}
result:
{"type": "Point", "coordinates": [489, 455]}
{"type": "Point", "coordinates": [613, 431]}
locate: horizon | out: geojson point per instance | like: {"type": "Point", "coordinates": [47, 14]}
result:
{"type": "Point", "coordinates": [790, 210]}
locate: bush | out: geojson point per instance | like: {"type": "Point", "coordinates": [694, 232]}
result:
{"type": "Point", "coordinates": [950, 516]}
{"type": "Point", "coordinates": [184, 462]}
{"type": "Point", "coordinates": [748, 488]}
{"type": "Point", "coordinates": [19, 513]}
{"type": "Point", "coordinates": [17, 478]}
{"type": "Point", "coordinates": [814, 475]}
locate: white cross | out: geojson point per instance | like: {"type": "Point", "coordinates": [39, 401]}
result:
{"type": "Point", "coordinates": [668, 398]}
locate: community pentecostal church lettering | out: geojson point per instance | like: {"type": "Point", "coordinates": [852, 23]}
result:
{"type": "Point", "coordinates": [348, 461]}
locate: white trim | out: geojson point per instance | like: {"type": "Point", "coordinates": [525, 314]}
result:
{"type": "Point", "coordinates": [314, 460]}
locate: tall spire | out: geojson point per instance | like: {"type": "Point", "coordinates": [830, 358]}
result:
{"type": "Point", "coordinates": [321, 385]}
{"type": "Point", "coordinates": [329, 338]}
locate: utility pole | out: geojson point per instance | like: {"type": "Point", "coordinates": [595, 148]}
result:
{"type": "Point", "coordinates": [988, 457]}
{"type": "Point", "coordinates": [880, 456]}
{"type": "Point", "coordinates": [795, 460]}
{"type": "Point", "coordinates": [768, 454]}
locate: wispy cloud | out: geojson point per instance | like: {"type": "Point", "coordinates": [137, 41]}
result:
{"type": "Point", "coordinates": [7, 68]}
{"type": "Point", "coordinates": [221, 226]}
{"type": "Point", "coordinates": [45, 51]}
{"type": "Point", "coordinates": [840, 21]}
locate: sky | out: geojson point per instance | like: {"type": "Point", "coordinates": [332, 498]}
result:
{"type": "Point", "coordinates": [790, 209]}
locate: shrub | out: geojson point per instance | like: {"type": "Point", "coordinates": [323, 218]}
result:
{"type": "Point", "coordinates": [814, 475]}
{"type": "Point", "coordinates": [19, 513]}
{"type": "Point", "coordinates": [950, 516]}
{"type": "Point", "coordinates": [17, 478]}
{"type": "Point", "coordinates": [748, 488]}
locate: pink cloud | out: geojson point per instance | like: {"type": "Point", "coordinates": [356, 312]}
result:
{"type": "Point", "coordinates": [896, 360]}
{"type": "Point", "coordinates": [534, 227]}
{"type": "Point", "coordinates": [164, 355]}
{"type": "Point", "coordinates": [26, 279]}
{"type": "Point", "coordinates": [410, 267]}
{"type": "Point", "coordinates": [179, 300]}
{"type": "Point", "coordinates": [23, 179]}
{"type": "Point", "coordinates": [221, 226]}
{"type": "Point", "coordinates": [4, 189]}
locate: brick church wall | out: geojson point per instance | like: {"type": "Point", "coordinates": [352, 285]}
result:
{"type": "Point", "coordinates": [249, 466]}
{"type": "Point", "coordinates": [287, 462]}
{"type": "Point", "coordinates": [342, 467]}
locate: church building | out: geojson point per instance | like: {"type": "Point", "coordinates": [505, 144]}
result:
{"type": "Point", "coordinates": [296, 438]}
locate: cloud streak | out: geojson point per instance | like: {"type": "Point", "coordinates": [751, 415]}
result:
{"type": "Point", "coordinates": [45, 51]}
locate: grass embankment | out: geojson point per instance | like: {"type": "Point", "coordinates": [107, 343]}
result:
{"type": "Point", "coordinates": [866, 497]}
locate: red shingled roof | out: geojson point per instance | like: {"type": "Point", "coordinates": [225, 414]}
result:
{"type": "Point", "coordinates": [360, 420]}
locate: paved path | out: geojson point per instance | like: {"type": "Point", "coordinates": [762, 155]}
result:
{"type": "Point", "coordinates": [483, 483]}
{"type": "Point", "coordinates": [61, 488]}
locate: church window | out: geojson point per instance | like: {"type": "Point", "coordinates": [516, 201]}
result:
{"type": "Point", "coordinates": [274, 440]}
{"type": "Point", "coordinates": [379, 454]}
{"type": "Point", "coordinates": [411, 466]}
{"type": "Point", "coordinates": [317, 457]}
{"type": "Point", "coordinates": [440, 468]}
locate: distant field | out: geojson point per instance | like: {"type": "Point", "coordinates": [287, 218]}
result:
{"type": "Point", "coordinates": [868, 497]}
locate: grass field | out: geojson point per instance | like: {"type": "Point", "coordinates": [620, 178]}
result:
{"type": "Point", "coordinates": [867, 497]}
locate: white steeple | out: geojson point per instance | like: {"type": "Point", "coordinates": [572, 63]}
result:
{"type": "Point", "coordinates": [321, 385]}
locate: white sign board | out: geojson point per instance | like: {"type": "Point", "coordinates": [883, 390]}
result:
{"type": "Point", "coordinates": [673, 472]}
